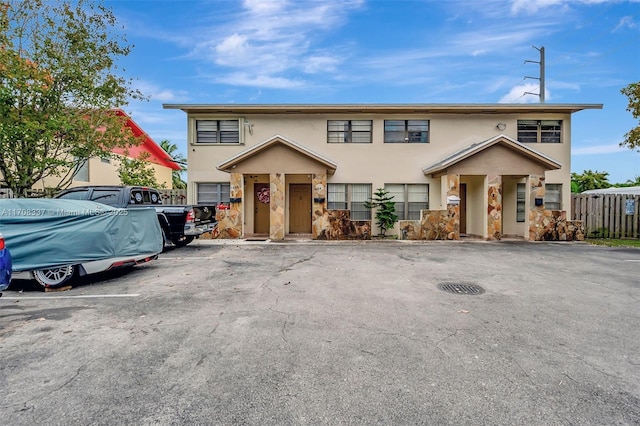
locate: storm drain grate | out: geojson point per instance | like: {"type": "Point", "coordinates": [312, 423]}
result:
{"type": "Point", "coordinates": [461, 288]}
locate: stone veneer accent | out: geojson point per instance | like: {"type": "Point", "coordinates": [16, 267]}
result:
{"type": "Point", "coordinates": [337, 225]}
{"type": "Point", "coordinates": [319, 204]}
{"type": "Point", "coordinates": [434, 225]}
{"type": "Point", "coordinates": [453, 210]}
{"type": "Point", "coordinates": [494, 209]}
{"type": "Point", "coordinates": [536, 213]}
{"type": "Point", "coordinates": [556, 227]}
{"type": "Point", "coordinates": [276, 206]}
{"type": "Point", "coordinates": [230, 221]}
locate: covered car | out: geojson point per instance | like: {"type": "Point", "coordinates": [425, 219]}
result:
{"type": "Point", "coordinates": [5, 265]}
{"type": "Point", "coordinates": [53, 240]}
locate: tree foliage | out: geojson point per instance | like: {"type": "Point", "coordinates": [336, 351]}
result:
{"type": "Point", "coordinates": [385, 209]}
{"type": "Point", "coordinates": [176, 177]}
{"type": "Point", "coordinates": [138, 172]}
{"type": "Point", "coordinates": [588, 180]}
{"type": "Point", "coordinates": [632, 138]}
{"type": "Point", "coordinates": [59, 86]}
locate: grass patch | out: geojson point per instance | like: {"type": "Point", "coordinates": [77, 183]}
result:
{"type": "Point", "coordinates": [610, 242]}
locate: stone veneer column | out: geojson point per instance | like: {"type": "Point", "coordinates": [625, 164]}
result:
{"type": "Point", "coordinates": [453, 210]}
{"type": "Point", "coordinates": [319, 203]}
{"type": "Point", "coordinates": [494, 210]}
{"type": "Point", "coordinates": [236, 185]}
{"type": "Point", "coordinates": [230, 221]}
{"type": "Point", "coordinates": [536, 213]}
{"type": "Point", "coordinates": [276, 207]}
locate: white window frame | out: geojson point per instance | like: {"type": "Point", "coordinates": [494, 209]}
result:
{"type": "Point", "coordinates": [404, 202]}
{"type": "Point", "coordinates": [543, 131]}
{"type": "Point", "coordinates": [349, 131]}
{"type": "Point", "coordinates": [194, 139]}
{"type": "Point", "coordinates": [342, 196]}
{"type": "Point", "coordinates": [408, 134]}
{"type": "Point", "coordinates": [521, 200]}
{"type": "Point", "coordinates": [82, 174]}
{"type": "Point", "coordinates": [553, 196]}
{"type": "Point", "coordinates": [220, 194]}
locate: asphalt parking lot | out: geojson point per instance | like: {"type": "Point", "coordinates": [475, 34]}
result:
{"type": "Point", "coordinates": [314, 333]}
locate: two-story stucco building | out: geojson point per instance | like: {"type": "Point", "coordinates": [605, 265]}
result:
{"type": "Point", "coordinates": [489, 169]}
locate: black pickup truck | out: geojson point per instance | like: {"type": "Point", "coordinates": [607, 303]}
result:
{"type": "Point", "coordinates": [180, 223]}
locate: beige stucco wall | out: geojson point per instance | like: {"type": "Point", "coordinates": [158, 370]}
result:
{"type": "Point", "coordinates": [106, 173]}
{"type": "Point", "coordinates": [379, 163]}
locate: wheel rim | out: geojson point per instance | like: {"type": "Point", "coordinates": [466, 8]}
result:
{"type": "Point", "coordinates": [53, 277]}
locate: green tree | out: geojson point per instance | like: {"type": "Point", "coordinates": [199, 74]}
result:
{"type": "Point", "coordinates": [385, 209]}
{"type": "Point", "coordinates": [632, 138]}
{"type": "Point", "coordinates": [172, 150]}
{"type": "Point", "coordinates": [629, 182]}
{"type": "Point", "coordinates": [59, 87]}
{"type": "Point", "coordinates": [589, 180]}
{"type": "Point", "coordinates": [138, 172]}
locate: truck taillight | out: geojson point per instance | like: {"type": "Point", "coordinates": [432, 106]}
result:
{"type": "Point", "coordinates": [1, 242]}
{"type": "Point", "coordinates": [191, 216]}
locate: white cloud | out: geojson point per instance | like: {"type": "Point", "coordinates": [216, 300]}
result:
{"type": "Point", "coordinates": [155, 93]}
{"type": "Point", "coordinates": [321, 63]}
{"type": "Point", "coordinates": [517, 94]}
{"type": "Point", "coordinates": [532, 6]}
{"type": "Point", "coordinates": [626, 21]}
{"type": "Point", "coordinates": [272, 37]}
{"type": "Point", "coordinates": [262, 81]}
{"type": "Point", "coordinates": [598, 149]}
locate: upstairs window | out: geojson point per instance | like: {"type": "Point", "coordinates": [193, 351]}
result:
{"type": "Point", "coordinates": [349, 131]}
{"type": "Point", "coordinates": [406, 131]}
{"type": "Point", "coordinates": [540, 131]}
{"type": "Point", "coordinates": [217, 131]}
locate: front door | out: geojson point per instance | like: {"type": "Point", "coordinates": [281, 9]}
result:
{"type": "Point", "coordinates": [463, 208]}
{"type": "Point", "coordinates": [300, 208]}
{"type": "Point", "coordinates": [262, 195]}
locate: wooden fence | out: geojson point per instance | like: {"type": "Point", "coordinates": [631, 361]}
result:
{"type": "Point", "coordinates": [173, 196]}
{"type": "Point", "coordinates": [607, 215]}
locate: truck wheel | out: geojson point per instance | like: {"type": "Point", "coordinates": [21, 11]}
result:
{"type": "Point", "coordinates": [55, 277]}
{"type": "Point", "coordinates": [183, 241]}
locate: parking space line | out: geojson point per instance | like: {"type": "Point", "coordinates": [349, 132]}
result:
{"type": "Point", "coordinates": [81, 296]}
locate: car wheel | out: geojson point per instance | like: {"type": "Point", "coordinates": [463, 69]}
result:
{"type": "Point", "coordinates": [183, 241]}
{"type": "Point", "coordinates": [52, 278]}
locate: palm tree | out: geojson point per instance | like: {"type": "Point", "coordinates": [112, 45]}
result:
{"type": "Point", "coordinates": [172, 150]}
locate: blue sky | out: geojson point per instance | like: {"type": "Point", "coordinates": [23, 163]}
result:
{"type": "Point", "coordinates": [389, 51]}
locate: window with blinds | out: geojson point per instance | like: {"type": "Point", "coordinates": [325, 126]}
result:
{"type": "Point", "coordinates": [349, 131]}
{"type": "Point", "coordinates": [341, 196]}
{"type": "Point", "coordinates": [540, 131]}
{"type": "Point", "coordinates": [553, 196]}
{"type": "Point", "coordinates": [213, 193]}
{"type": "Point", "coordinates": [409, 199]}
{"type": "Point", "coordinates": [217, 131]}
{"type": "Point", "coordinates": [520, 202]}
{"type": "Point", "coordinates": [406, 131]}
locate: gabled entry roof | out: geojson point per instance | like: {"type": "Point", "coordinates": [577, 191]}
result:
{"type": "Point", "coordinates": [230, 163]}
{"type": "Point", "coordinates": [459, 156]}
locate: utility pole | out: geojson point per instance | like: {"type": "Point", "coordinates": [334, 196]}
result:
{"type": "Point", "coordinates": [541, 78]}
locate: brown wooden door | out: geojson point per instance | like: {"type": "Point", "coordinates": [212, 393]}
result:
{"type": "Point", "coordinates": [463, 208]}
{"type": "Point", "coordinates": [299, 208]}
{"type": "Point", "coordinates": [261, 197]}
